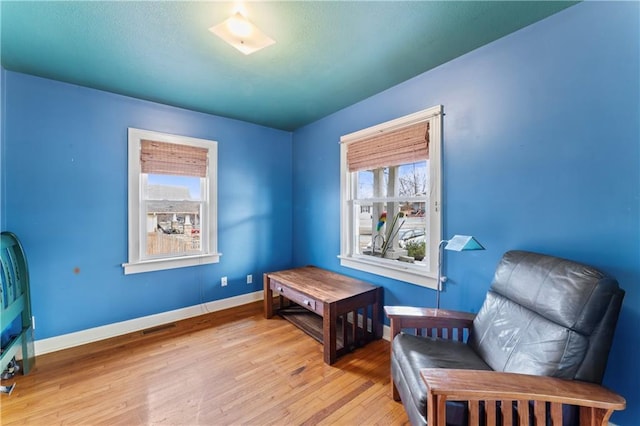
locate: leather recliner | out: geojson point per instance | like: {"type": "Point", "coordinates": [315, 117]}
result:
{"type": "Point", "coordinates": [542, 316]}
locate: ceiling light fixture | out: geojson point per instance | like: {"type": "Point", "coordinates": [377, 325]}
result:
{"type": "Point", "coordinates": [240, 33]}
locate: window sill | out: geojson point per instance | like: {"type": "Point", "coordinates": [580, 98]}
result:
{"type": "Point", "coordinates": [172, 263]}
{"type": "Point", "coordinates": [390, 269]}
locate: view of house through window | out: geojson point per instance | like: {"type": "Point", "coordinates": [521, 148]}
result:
{"type": "Point", "coordinates": [173, 210]}
{"type": "Point", "coordinates": [172, 201]}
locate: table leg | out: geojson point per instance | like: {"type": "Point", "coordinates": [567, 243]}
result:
{"type": "Point", "coordinates": [376, 320]}
{"type": "Point", "coordinates": [329, 332]}
{"type": "Point", "coordinates": [268, 298]}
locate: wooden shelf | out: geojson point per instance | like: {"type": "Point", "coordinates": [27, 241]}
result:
{"type": "Point", "coordinates": [310, 323]}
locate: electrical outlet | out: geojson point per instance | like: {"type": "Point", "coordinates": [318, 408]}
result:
{"type": "Point", "coordinates": [249, 279]}
{"type": "Point", "coordinates": [223, 281]}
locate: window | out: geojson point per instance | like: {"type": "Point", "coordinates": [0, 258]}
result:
{"type": "Point", "coordinates": [390, 198]}
{"type": "Point", "coordinates": [172, 201]}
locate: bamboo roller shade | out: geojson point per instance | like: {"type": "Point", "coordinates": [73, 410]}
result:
{"type": "Point", "coordinates": [401, 146]}
{"type": "Point", "coordinates": [173, 159]}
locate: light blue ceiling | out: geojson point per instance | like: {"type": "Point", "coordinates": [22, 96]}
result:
{"type": "Point", "coordinates": [328, 55]}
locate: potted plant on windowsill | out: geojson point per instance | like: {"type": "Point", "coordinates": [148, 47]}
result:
{"type": "Point", "coordinates": [416, 249]}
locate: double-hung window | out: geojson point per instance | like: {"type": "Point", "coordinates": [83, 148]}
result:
{"type": "Point", "coordinates": [172, 201]}
{"type": "Point", "coordinates": [390, 198]}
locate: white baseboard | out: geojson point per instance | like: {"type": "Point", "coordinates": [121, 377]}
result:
{"type": "Point", "coordinates": [95, 334]}
{"type": "Point", "coordinates": [90, 335]}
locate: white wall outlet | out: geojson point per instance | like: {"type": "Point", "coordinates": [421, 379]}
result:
{"type": "Point", "coordinates": [249, 279]}
{"type": "Point", "coordinates": [223, 281]}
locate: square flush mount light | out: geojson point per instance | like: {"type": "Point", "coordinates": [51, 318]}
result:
{"type": "Point", "coordinates": [240, 33]}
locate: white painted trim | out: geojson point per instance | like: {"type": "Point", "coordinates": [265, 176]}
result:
{"type": "Point", "coordinates": [394, 124]}
{"type": "Point", "coordinates": [397, 270]}
{"type": "Point", "coordinates": [403, 272]}
{"type": "Point", "coordinates": [70, 340]}
{"type": "Point", "coordinates": [386, 333]}
{"type": "Point", "coordinates": [170, 263]}
{"type": "Point", "coordinates": [209, 220]}
{"type": "Point", "coordinates": [95, 334]}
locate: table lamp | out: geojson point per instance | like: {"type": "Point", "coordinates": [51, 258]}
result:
{"type": "Point", "coordinates": [457, 243]}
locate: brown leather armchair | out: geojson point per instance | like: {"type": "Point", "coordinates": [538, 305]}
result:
{"type": "Point", "coordinates": [537, 349]}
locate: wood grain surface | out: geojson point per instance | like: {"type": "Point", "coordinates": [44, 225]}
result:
{"type": "Point", "coordinates": [222, 368]}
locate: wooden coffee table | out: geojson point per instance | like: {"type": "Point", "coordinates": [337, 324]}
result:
{"type": "Point", "coordinates": [340, 312]}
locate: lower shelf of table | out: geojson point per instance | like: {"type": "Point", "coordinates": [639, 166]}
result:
{"type": "Point", "coordinates": [312, 324]}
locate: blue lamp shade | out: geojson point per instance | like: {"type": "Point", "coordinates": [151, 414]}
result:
{"type": "Point", "coordinates": [457, 243]}
{"type": "Point", "coordinates": [463, 243]}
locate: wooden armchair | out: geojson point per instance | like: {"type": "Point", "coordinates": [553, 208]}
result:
{"type": "Point", "coordinates": [492, 391]}
{"type": "Point", "coordinates": [440, 323]}
{"type": "Point", "coordinates": [528, 395]}
{"type": "Point", "coordinates": [534, 354]}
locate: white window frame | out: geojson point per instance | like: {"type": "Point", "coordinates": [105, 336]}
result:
{"type": "Point", "coordinates": [402, 271]}
{"type": "Point", "coordinates": [137, 263]}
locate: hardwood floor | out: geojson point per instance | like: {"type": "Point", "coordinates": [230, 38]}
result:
{"type": "Point", "coordinates": [223, 368]}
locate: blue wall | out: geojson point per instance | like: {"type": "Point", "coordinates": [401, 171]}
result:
{"type": "Point", "coordinates": [541, 134]}
{"type": "Point", "coordinates": [65, 195]}
{"type": "Point", "coordinates": [541, 152]}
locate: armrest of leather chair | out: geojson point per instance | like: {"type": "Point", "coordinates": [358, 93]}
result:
{"type": "Point", "coordinates": [515, 390]}
{"type": "Point", "coordinates": [402, 317]}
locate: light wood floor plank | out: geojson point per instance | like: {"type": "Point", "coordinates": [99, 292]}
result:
{"type": "Point", "coordinates": [231, 367]}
